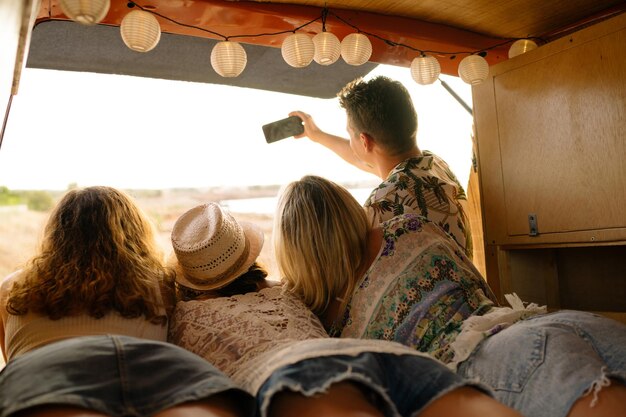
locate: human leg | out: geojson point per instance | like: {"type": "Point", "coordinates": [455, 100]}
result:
{"type": "Point", "coordinates": [610, 402]}
{"type": "Point", "coordinates": [549, 364]}
{"type": "Point", "coordinates": [403, 383]}
{"type": "Point", "coordinates": [216, 406]}
{"type": "Point", "coordinates": [115, 376]}
{"type": "Point", "coordinates": [58, 411]}
{"type": "Point", "coordinates": [471, 402]}
{"type": "Point", "coordinates": [437, 392]}
{"type": "Point", "coordinates": [606, 397]}
{"type": "Point", "coordinates": [213, 407]}
{"type": "Point", "coordinates": [343, 399]}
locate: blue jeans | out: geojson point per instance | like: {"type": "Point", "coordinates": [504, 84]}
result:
{"type": "Point", "coordinates": [115, 375]}
{"type": "Point", "coordinates": [540, 366]}
{"type": "Point", "coordinates": [399, 385]}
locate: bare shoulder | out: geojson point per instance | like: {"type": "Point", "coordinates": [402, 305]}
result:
{"type": "Point", "coordinates": [7, 282]}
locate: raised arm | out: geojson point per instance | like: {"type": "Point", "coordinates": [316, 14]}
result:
{"type": "Point", "coordinates": [337, 144]}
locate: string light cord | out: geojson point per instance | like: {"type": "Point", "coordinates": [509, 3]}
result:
{"type": "Point", "coordinates": [426, 51]}
{"type": "Point", "coordinates": [323, 17]}
{"type": "Point", "coordinates": [132, 4]}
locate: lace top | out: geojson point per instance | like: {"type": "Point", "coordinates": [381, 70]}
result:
{"type": "Point", "coordinates": [250, 336]}
{"type": "Point", "coordinates": [231, 331]}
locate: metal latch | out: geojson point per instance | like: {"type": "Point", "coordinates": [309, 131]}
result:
{"type": "Point", "coordinates": [532, 225]}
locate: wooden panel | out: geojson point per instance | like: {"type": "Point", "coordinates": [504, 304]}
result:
{"type": "Point", "coordinates": [476, 222]}
{"type": "Point", "coordinates": [492, 274]}
{"type": "Point", "coordinates": [593, 278]}
{"type": "Point", "coordinates": [581, 278]}
{"type": "Point", "coordinates": [562, 123]}
{"type": "Point", "coordinates": [534, 276]}
{"type": "Point", "coordinates": [550, 128]}
{"type": "Point", "coordinates": [501, 18]}
{"type": "Point", "coordinates": [489, 163]}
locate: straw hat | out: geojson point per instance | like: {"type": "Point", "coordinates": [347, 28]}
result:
{"type": "Point", "coordinates": [211, 248]}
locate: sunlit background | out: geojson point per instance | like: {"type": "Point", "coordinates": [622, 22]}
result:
{"type": "Point", "coordinates": [138, 133]}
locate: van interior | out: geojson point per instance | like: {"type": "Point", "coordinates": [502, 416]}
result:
{"type": "Point", "coordinates": [547, 184]}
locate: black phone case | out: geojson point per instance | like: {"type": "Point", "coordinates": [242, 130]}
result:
{"type": "Point", "coordinates": [282, 129]}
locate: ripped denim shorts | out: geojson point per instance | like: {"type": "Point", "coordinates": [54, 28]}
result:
{"type": "Point", "coordinates": [541, 365]}
{"type": "Point", "coordinates": [398, 385]}
{"type": "Point", "coordinates": [114, 375]}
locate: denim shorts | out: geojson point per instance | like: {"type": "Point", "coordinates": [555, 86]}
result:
{"type": "Point", "coordinates": [540, 366]}
{"type": "Point", "coordinates": [114, 375]}
{"type": "Point", "coordinates": [398, 385]}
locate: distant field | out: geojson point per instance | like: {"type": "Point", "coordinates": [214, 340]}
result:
{"type": "Point", "coordinates": [20, 229]}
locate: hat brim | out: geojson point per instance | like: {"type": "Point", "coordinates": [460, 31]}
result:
{"type": "Point", "coordinates": [254, 236]}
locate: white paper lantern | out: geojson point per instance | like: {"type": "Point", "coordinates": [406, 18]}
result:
{"type": "Point", "coordinates": [473, 69]}
{"type": "Point", "coordinates": [228, 59]}
{"type": "Point", "coordinates": [327, 48]}
{"type": "Point", "coordinates": [425, 69]}
{"type": "Point", "coordinates": [356, 49]}
{"type": "Point", "coordinates": [87, 12]}
{"type": "Point", "coordinates": [521, 46]}
{"type": "Point", "coordinates": [140, 31]}
{"type": "Point", "coordinates": [298, 50]}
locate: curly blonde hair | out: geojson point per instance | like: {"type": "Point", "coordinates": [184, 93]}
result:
{"type": "Point", "coordinates": [98, 254]}
{"type": "Point", "coordinates": [320, 234]}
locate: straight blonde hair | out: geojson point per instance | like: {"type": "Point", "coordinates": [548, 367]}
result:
{"type": "Point", "coordinates": [320, 234]}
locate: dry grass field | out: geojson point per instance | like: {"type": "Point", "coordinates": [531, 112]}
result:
{"type": "Point", "coordinates": [20, 229]}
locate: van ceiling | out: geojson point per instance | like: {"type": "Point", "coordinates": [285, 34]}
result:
{"type": "Point", "coordinates": [447, 26]}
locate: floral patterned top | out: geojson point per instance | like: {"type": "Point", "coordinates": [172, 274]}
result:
{"type": "Point", "coordinates": [423, 185]}
{"type": "Point", "coordinates": [418, 291]}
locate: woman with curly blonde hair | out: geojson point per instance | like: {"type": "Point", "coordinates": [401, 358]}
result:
{"type": "Point", "coordinates": [86, 319]}
{"type": "Point", "coordinates": [98, 255]}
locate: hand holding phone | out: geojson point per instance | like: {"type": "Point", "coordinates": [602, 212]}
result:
{"type": "Point", "coordinates": [284, 128]}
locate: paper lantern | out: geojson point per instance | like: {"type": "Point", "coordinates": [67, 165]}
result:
{"type": "Point", "coordinates": [327, 48]}
{"type": "Point", "coordinates": [425, 69]}
{"type": "Point", "coordinates": [228, 59]}
{"type": "Point", "coordinates": [473, 69]}
{"type": "Point", "coordinates": [521, 46]}
{"type": "Point", "coordinates": [140, 31]}
{"type": "Point", "coordinates": [356, 49]}
{"type": "Point", "coordinates": [298, 50]}
{"type": "Point", "coordinates": [87, 12]}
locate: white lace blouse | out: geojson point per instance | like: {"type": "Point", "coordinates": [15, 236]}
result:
{"type": "Point", "coordinates": [249, 336]}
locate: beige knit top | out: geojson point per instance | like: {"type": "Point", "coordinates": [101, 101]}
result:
{"type": "Point", "coordinates": [29, 331]}
{"type": "Point", "coordinates": [26, 332]}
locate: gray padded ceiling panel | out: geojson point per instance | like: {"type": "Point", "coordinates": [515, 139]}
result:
{"type": "Point", "coordinates": [65, 45]}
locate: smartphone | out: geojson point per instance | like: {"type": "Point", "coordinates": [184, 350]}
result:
{"type": "Point", "coordinates": [283, 128]}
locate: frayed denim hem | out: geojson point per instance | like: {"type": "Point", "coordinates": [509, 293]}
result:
{"type": "Point", "coordinates": [347, 376]}
{"type": "Point", "coordinates": [604, 381]}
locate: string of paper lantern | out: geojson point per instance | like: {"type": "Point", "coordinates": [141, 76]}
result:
{"type": "Point", "coordinates": [141, 32]}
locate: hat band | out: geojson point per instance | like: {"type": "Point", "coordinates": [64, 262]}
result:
{"type": "Point", "coordinates": [226, 274]}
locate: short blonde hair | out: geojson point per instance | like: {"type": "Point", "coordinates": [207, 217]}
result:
{"type": "Point", "coordinates": [320, 233]}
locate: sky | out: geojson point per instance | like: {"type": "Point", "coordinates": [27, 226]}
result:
{"type": "Point", "coordinates": [169, 134]}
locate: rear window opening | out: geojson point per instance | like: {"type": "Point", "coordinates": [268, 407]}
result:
{"type": "Point", "coordinates": [176, 144]}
